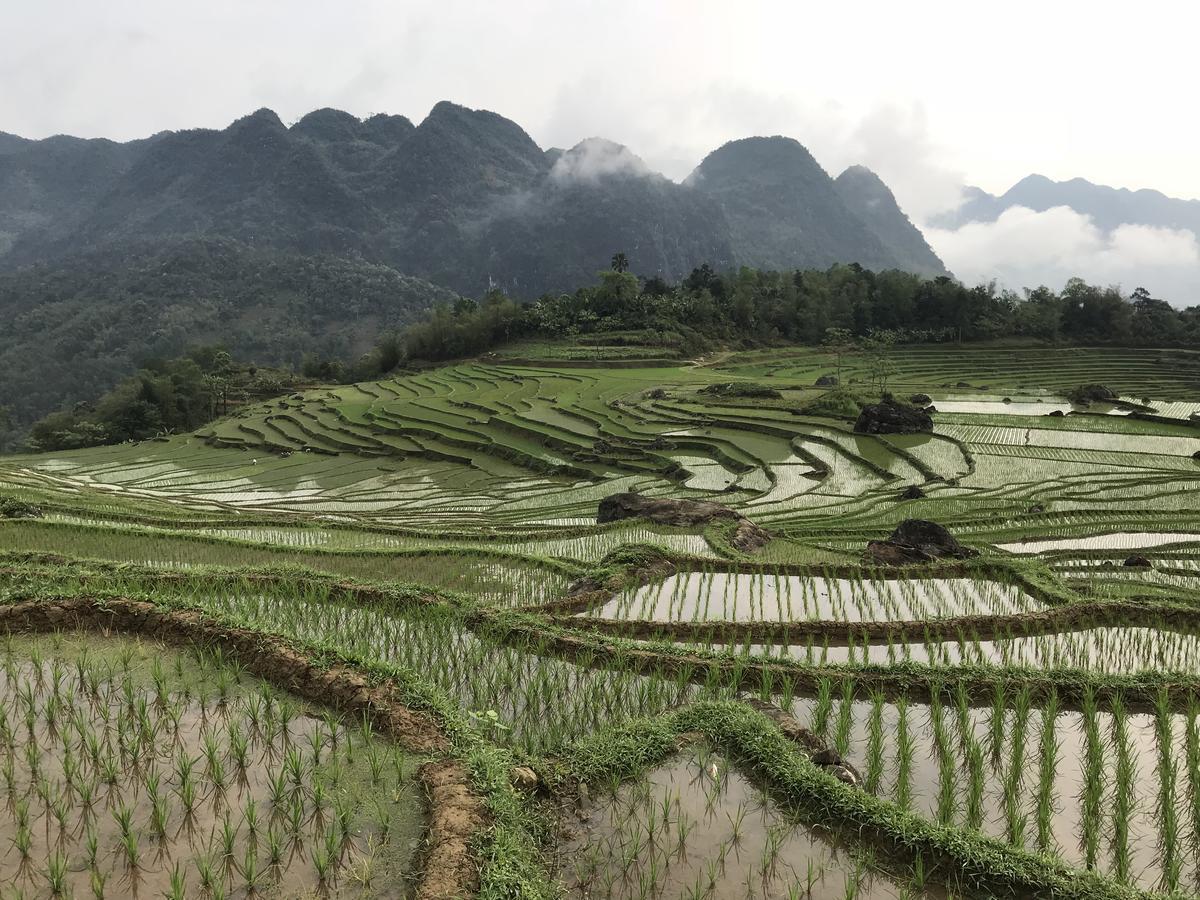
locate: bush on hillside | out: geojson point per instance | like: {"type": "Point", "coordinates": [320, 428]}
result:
{"type": "Point", "coordinates": [746, 389]}
{"type": "Point", "coordinates": [840, 403]}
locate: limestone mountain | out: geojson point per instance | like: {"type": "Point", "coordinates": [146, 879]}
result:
{"type": "Point", "coordinates": [465, 198]}
{"type": "Point", "coordinates": [50, 185]}
{"type": "Point", "coordinates": [782, 209]}
{"type": "Point", "coordinates": [597, 196]}
{"type": "Point", "coordinates": [865, 194]}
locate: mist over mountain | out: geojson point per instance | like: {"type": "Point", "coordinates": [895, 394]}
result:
{"type": "Point", "coordinates": [1045, 232]}
{"type": "Point", "coordinates": [1107, 207]}
{"type": "Point", "coordinates": [465, 199]}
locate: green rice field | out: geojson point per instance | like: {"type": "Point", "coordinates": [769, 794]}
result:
{"type": "Point", "coordinates": [479, 690]}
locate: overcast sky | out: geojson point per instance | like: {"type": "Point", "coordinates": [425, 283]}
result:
{"type": "Point", "coordinates": [931, 95]}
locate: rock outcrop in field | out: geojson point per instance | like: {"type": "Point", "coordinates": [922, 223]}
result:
{"type": "Point", "coordinates": [747, 536]}
{"type": "Point", "coordinates": [917, 541]}
{"type": "Point", "coordinates": [891, 417]}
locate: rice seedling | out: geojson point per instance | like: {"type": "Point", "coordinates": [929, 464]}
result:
{"type": "Point", "coordinates": [1093, 785]}
{"type": "Point", "coordinates": [1123, 793]}
{"type": "Point", "coordinates": [679, 831]}
{"type": "Point", "coordinates": [145, 778]}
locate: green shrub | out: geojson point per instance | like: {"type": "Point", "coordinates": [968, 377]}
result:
{"type": "Point", "coordinates": [839, 403]}
{"type": "Point", "coordinates": [12, 508]}
{"type": "Point", "coordinates": [742, 389]}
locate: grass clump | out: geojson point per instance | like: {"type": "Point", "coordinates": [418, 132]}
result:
{"type": "Point", "coordinates": [839, 403]}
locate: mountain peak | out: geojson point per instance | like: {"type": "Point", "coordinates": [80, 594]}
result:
{"type": "Point", "coordinates": [862, 174]}
{"type": "Point", "coordinates": [478, 132]}
{"type": "Point", "coordinates": [595, 158]}
{"type": "Point", "coordinates": [328, 125]}
{"type": "Point", "coordinates": [11, 143]}
{"type": "Point", "coordinates": [869, 198]}
{"type": "Point", "coordinates": [447, 108]}
{"type": "Point", "coordinates": [260, 118]}
{"type": "Point", "coordinates": [387, 129]}
{"type": "Point", "coordinates": [771, 157]}
{"type": "Point", "coordinates": [783, 208]}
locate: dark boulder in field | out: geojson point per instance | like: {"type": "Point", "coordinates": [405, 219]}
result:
{"type": "Point", "coordinates": [1138, 562]}
{"type": "Point", "coordinates": [1056, 413]}
{"type": "Point", "coordinates": [920, 399]}
{"type": "Point", "coordinates": [886, 553]}
{"type": "Point", "coordinates": [890, 417]}
{"type": "Point", "coordinates": [912, 492]}
{"type": "Point", "coordinates": [12, 508]}
{"type": "Point", "coordinates": [930, 537]}
{"type": "Point", "coordinates": [917, 541]}
{"type": "Point", "coordinates": [827, 381]}
{"type": "Point", "coordinates": [747, 536]}
{"type": "Point", "coordinates": [1092, 393]}
{"type": "Point", "coordinates": [962, 384]}
{"type": "Point", "coordinates": [1196, 455]}
{"type": "Point", "coordinates": [1036, 508]}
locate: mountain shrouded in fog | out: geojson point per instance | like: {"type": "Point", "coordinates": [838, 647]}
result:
{"type": "Point", "coordinates": [1107, 207]}
{"type": "Point", "coordinates": [465, 199]}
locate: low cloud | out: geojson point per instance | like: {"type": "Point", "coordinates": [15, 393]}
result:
{"type": "Point", "coordinates": [1024, 248]}
{"type": "Point", "coordinates": [675, 125]}
{"type": "Point", "coordinates": [895, 143]}
{"type": "Point", "coordinates": [596, 158]}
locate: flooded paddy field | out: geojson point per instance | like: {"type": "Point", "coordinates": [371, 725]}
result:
{"type": "Point", "coordinates": [1020, 719]}
{"type": "Point", "coordinates": [702, 829]}
{"type": "Point", "coordinates": [132, 770]}
{"type": "Point", "coordinates": [715, 596]}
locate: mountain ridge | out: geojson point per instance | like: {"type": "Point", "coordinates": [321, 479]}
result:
{"type": "Point", "coordinates": [1107, 206]}
{"type": "Point", "coordinates": [466, 198]}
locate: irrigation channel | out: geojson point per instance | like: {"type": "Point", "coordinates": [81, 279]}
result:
{"type": "Point", "coordinates": [371, 640]}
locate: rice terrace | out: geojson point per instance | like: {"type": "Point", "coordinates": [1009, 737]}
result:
{"type": "Point", "coordinates": [574, 620]}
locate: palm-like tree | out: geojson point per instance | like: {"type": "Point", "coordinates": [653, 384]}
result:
{"type": "Point", "coordinates": [620, 262]}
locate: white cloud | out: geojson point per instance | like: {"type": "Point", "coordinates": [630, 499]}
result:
{"type": "Point", "coordinates": [895, 142]}
{"type": "Point", "coordinates": [1024, 248]}
{"type": "Point", "coordinates": [595, 158]}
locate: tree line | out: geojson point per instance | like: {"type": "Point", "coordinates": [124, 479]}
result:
{"type": "Point", "coordinates": [843, 307]}
{"type": "Point", "coordinates": [165, 396]}
{"type": "Point", "coordinates": [750, 307]}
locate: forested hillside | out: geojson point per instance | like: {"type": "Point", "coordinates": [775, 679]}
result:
{"type": "Point", "coordinates": [75, 328]}
{"type": "Point", "coordinates": [465, 199]}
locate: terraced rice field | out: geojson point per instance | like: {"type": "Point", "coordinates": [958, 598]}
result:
{"type": "Point", "coordinates": [489, 693]}
{"type": "Point", "coordinates": [713, 596]}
